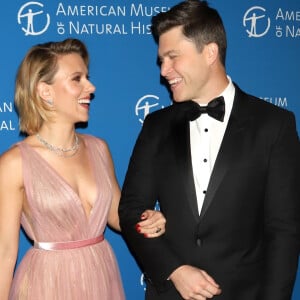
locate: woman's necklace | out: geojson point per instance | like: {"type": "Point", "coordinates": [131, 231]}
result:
{"type": "Point", "coordinates": [59, 150]}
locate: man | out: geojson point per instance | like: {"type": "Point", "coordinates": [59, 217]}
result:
{"type": "Point", "coordinates": [228, 184]}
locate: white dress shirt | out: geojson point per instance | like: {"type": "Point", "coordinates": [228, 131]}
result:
{"type": "Point", "coordinates": [206, 134]}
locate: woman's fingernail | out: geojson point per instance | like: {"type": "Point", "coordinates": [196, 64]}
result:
{"type": "Point", "coordinates": [138, 228]}
{"type": "Point", "coordinates": [143, 216]}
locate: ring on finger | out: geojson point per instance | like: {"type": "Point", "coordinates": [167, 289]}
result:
{"type": "Point", "coordinates": [158, 230]}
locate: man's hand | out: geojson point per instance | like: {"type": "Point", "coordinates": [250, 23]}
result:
{"type": "Point", "coordinates": [194, 284]}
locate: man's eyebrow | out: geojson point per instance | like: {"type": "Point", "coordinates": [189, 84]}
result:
{"type": "Point", "coordinates": [167, 53]}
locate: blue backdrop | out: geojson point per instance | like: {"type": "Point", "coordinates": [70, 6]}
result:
{"type": "Point", "coordinates": [263, 59]}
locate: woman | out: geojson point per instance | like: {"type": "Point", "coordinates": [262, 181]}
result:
{"type": "Point", "coordinates": [60, 186]}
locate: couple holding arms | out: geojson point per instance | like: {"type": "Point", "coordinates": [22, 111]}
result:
{"type": "Point", "coordinates": [223, 165]}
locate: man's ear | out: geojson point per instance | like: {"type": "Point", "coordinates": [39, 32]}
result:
{"type": "Point", "coordinates": [212, 52]}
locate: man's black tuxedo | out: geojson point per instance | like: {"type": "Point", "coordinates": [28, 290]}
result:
{"type": "Point", "coordinates": [247, 236]}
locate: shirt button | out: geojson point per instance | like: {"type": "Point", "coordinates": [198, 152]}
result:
{"type": "Point", "coordinates": [205, 160]}
{"type": "Point", "coordinates": [204, 192]}
{"type": "Point", "coordinates": [206, 130]}
{"type": "Point", "coordinates": [199, 242]}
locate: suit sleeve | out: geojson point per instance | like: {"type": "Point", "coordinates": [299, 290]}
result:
{"type": "Point", "coordinates": [139, 193]}
{"type": "Point", "coordinates": [282, 213]}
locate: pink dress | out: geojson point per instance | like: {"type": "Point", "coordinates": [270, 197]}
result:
{"type": "Point", "coordinates": [86, 273]}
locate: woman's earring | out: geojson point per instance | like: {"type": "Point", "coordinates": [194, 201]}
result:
{"type": "Point", "coordinates": [50, 102]}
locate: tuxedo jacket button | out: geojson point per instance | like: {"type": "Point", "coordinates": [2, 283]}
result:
{"type": "Point", "coordinates": [199, 242]}
{"type": "Point", "coordinates": [146, 278]}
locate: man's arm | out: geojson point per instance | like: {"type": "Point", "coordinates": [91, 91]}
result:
{"type": "Point", "coordinates": [139, 193]}
{"type": "Point", "coordinates": [282, 214]}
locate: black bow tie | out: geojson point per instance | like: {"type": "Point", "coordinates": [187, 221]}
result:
{"type": "Point", "coordinates": [215, 108]}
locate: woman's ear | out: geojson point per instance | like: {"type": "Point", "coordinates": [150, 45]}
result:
{"type": "Point", "coordinates": [44, 91]}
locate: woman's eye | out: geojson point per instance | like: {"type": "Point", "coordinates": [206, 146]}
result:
{"type": "Point", "coordinates": [77, 78]}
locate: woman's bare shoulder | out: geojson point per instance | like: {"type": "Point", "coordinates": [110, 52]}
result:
{"type": "Point", "coordinates": [10, 160]}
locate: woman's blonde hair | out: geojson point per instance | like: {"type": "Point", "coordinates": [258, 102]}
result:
{"type": "Point", "coordinates": [40, 65]}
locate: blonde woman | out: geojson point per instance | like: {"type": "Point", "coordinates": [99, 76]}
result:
{"type": "Point", "coordinates": [60, 186]}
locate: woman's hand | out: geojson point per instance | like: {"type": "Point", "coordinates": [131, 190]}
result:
{"type": "Point", "coordinates": [152, 224]}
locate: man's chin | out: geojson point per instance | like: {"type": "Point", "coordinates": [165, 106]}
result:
{"type": "Point", "coordinates": [178, 100]}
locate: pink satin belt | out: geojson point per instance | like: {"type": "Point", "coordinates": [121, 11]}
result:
{"type": "Point", "coordinates": [68, 245]}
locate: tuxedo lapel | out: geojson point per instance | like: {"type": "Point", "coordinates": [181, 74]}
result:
{"type": "Point", "coordinates": [230, 146]}
{"type": "Point", "coordinates": [229, 149]}
{"type": "Point", "coordinates": [181, 139]}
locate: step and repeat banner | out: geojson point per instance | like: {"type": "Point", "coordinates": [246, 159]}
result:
{"type": "Point", "coordinates": [263, 59]}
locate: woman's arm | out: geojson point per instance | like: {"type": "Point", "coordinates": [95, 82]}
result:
{"type": "Point", "coordinates": [11, 201]}
{"type": "Point", "coordinates": [152, 222]}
